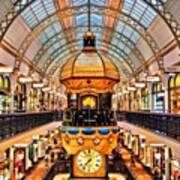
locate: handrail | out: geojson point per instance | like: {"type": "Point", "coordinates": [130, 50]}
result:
{"type": "Point", "coordinates": [163, 123]}
{"type": "Point", "coordinates": [12, 124]}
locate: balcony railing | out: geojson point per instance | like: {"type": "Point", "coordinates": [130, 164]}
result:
{"type": "Point", "coordinates": [166, 124]}
{"type": "Point", "coordinates": [89, 118]}
{"type": "Point", "coordinates": [12, 124]}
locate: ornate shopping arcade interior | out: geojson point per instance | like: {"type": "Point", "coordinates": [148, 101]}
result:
{"type": "Point", "coordinates": [89, 89]}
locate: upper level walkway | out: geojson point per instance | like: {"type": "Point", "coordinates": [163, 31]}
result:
{"type": "Point", "coordinates": [26, 137]}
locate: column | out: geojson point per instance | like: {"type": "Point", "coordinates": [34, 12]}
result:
{"type": "Point", "coordinates": [149, 86]}
{"type": "Point", "coordinates": [165, 82]}
{"type": "Point", "coordinates": [28, 100]}
{"type": "Point", "coordinates": [13, 79]}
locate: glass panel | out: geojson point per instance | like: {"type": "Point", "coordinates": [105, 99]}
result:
{"type": "Point", "coordinates": [38, 11]}
{"type": "Point", "coordinates": [96, 20]}
{"type": "Point", "coordinates": [178, 81]}
{"type": "Point", "coordinates": [1, 82]}
{"type": "Point", "coordinates": [99, 2]}
{"type": "Point", "coordinates": [82, 19]}
{"type": "Point", "coordinates": [127, 31]}
{"type": "Point", "coordinates": [172, 82]}
{"type": "Point", "coordinates": [79, 2]}
{"type": "Point", "coordinates": [49, 32]}
{"type": "Point", "coordinates": [83, 2]}
{"type": "Point", "coordinates": [140, 11]}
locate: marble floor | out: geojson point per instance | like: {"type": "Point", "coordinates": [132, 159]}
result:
{"type": "Point", "coordinates": [112, 176]}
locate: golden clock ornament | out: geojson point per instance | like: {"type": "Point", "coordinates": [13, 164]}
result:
{"type": "Point", "coordinates": [89, 163]}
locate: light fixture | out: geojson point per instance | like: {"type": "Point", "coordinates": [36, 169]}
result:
{"type": "Point", "coordinates": [6, 69]}
{"type": "Point", "coordinates": [119, 94]}
{"type": "Point", "coordinates": [46, 89]}
{"type": "Point", "coordinates": [139, 84]}
{"type": "Point", "coordinates": [131, 88]}
{"type": "Point", "coordinates": [125, 92]}
{"type": "Point", "coordinates": [51, 92]}
{"type": "Point", "coordinates": [152, 79]}
{"type": "Point", "coordinates": [24, 80]}
{"type": "Point", "coordinates": [172, 74]}
{"type": "Point", "coordinates": [38, 85]}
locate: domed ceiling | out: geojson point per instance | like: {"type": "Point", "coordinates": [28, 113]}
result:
{"type": "Point", "coordinates": [51, 31]}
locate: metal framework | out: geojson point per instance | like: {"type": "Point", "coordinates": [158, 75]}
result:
{"type": "Point", "coordinates": [58, 38]}
{"type": "Point", "coordinates": [157, 5]}
{"type": "Point", "coordinates": [64, 48]}
{"type": "Point", "coordinates": [53, 68]}
{"type": "Point", "coordinates": [125, 19]}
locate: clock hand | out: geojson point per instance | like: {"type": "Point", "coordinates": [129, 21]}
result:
{"type": "Point", "coordinates": [89, 160]}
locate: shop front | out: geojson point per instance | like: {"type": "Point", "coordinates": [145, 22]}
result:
{"type": "Point", "coordinates": [158, 97]}
{"type": "Point", "coordinates": [5, 98]}
{"type": "Point", "coordinates": [145, 101]}
{"type": "Point", "coordinates": [174, 94]}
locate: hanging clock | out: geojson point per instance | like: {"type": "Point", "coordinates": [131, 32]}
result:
{"type": "Point", "coordinates": [89, 163]}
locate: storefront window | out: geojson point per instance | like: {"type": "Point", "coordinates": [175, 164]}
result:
{"type": "Point", "coordinates": [134, 101]}
{"type": "Point", "coordinates": [20, 97]}
{"type": "Point", "coordinates": [1, 82]}
{"type": "Point", "coordinates": [174, 94]}
{"type": "Point", "coordinates": [6, 83]}
{"type": "Point", "coordinates": [145, 99]}
{"type": "Point", "coordinates": [4, 95]}
{"type": "Point", "coordinates": [158, 97]}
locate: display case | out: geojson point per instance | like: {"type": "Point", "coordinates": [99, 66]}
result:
{"type": "Point", "coordinates": [142, 146]}
{"type": "Point", "coordinates": [4, 167]}
{"type": "Point", "coordinates": [42, 143]}
{"type": "Point", "coordinates": [127, 139]}
{"type": "Point", "coordinates": [157, 158]}
{"type": "Point", "coordinates": [20, 160]}
{"type": "Point", "coordinates": [138, 143]}
{"type": "Point", "coordinates": [175, 170]}
{"type": "Point", "coordinates": [35, 148]}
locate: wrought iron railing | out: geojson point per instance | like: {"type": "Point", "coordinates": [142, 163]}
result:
{"type": "Point", "coordinates": [166, 124]}
{"type": "Point", "coordinates": [12, 124]}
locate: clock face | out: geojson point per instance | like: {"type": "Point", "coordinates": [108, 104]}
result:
{"type": "Point", "coordinates": [89, 161]}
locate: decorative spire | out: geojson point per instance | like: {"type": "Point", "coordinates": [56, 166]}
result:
{"type": "Point", "coordinates": [89, 38]}
{"type": "Point", "coordinates": [89, 15]}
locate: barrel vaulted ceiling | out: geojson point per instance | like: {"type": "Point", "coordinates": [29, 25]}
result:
{"type": "Point", "coordinates": [53, 31]}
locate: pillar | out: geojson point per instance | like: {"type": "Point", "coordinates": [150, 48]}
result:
{"type": "Point", "coordinates": [149, 86]}
{"type": "Point", "coordinates": [28, 101]}
{"type": "Point", "coordinates": [13, 79]}
{"type": "Point", "coordinates": [165, 82]}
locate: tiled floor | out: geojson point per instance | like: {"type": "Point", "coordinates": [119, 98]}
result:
{"type": "Point", "coordinates": [153, 138]}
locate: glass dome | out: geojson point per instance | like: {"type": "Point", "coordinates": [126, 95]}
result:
{"type": "Point", "coordinates": [89, 69]}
